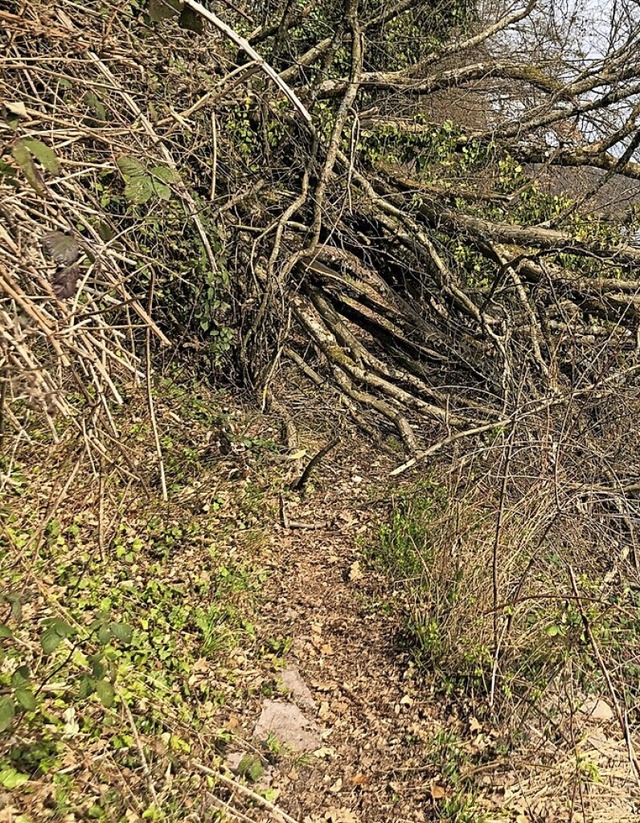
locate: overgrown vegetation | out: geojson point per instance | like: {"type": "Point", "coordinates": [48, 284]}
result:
{"type": "Point", "coordinates": [391, 199]}
{"type": "Point", "coordinates": [125, 620]}
{"type": "Point", "coordinates": [511, 604]}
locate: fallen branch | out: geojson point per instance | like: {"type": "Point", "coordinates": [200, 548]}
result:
{"type": "Point", "coordinates": [257, 798]}
{"type": "Point", "coordinates": [253, 54]}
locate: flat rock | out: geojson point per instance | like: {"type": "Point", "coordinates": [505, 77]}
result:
{"type": "Point", "coordinates": [298, 690]}
{"type": "Point", "coordinates": [289, 726]}
{"type": "Point", "coordinates": [597, 709]}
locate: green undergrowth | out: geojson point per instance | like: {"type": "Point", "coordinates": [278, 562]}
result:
{"type": "Point", "coordinates": [560, 627]}
{"type": "Point", "coordinates": [127, 623]}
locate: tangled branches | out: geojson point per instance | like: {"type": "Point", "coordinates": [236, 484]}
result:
{"type": "Point", "coordinates": [379, 194]}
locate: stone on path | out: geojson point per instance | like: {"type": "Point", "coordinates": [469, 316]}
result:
{"type": "Point", "coordinates": [289, 726]}
{"type": "Point", "coordinates": [298, 690]}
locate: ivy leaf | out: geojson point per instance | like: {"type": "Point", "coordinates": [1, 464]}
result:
{"type": "Point", "coordinates": [11, 779]}
{"type": "Point", "coordinates": [44, 154]}
{"type": "Point", "coordinates": [60, 247]}
{"type": "Point", "coordinates": [105, 692]}
{"type": "Point", "coordinates": [7, 712]}
{"type": "Point", "coordinates": [22, 156]}
{"type": "Point", "coordinates": [122, 632]}
{"type": "Point", "coordinates": [191, 20]}
{"type": "Point", "coordinates": [163, 9]}
{"type": "Point", "coordinates": [5, 631]}
{"type": "Point", "coordinates": [26, 698]}
{"type": "Point", "coordinates": [50, 640]}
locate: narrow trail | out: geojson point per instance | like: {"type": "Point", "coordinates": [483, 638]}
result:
{"type": "Point", "coordinates": [345, 645]}
{"type": "Point", "coordinates": [346, 652]}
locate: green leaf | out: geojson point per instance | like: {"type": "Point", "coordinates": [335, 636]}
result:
{"type": "Point", "coordinates": [130, 168]}
{"type": "Point", "coordinates": [251, 767]}
{"type": "Point", "coordinates": [5, 631]}
{"type": "Point", "coordinates": [20, 677]}
{"type": "Point", "coordinates": [96, 105]}
{"type": "Point", "coordinates": [105, 231]}
{"type": "Point", "coordinates": [97, 667]}
{"type": "Point", "coordinates": [163, 9]}
{"type": "Point", "coordinates": [139, 190]}
{"type": "Point", "coordinates": [122, 632]}
{"type": "Point", "coordinates": [43, 153]}
{"type": "Point", "coordinates": [50, 640]}
{"type": "Point", "coordinates": [55, 634]}
{"type": "Point", "coordinates": [104, 635]}
{"type": "Point", "coordinates": [87, 687]}
{"type": "Point", "coordinates": [22, 157]}
{"type": "Point", "coordinates": [16, 607]}
{"type": "Point", "coordinates": [7, 712]}
{"type": "Point", "coordinates": [12, 779]}
{"type": "Point", "coordinates": [64, 250]}
{"type": "Point", "coordinates": [63, 628]}
{"type": "Point", "coordinates": [554, 631]}
{"type": "Point", "coordinates": [165, 173]}
{"type": "Point", "coordinates": [105, 692]}
{"type": "Point", "coordinates": [191, 20]}
{"type": "Point", "coordinates": [26, 698]}
{"type": "Point", "coordinates": [161, 191]}
{"type": "Point", "coordinates": [8, 171]}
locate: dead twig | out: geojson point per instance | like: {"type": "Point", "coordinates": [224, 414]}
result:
{"type": "Point", "coordinates": [253, 54]}
{"type": "Point", "coordinates": [311, 465]}
{"type": "Point", "coordinates": [621, 716]}
{"type": "Point", "coordinates": [276, 812]}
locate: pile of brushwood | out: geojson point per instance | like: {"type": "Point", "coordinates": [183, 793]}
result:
{"type": "Point", "coordinates": [430, 206]}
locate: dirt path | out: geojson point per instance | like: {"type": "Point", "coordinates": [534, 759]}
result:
{"type": "Point", "coordinates": [345, 648]}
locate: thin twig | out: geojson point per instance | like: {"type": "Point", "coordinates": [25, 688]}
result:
{"type": "Point", "coordinates": [257, 798]}
{"type": "Point", "coordinates": [140, 747]}
{"type": "Point", "coordinates": [311, 465]}
{"type": "Point", "coordinates": [150, 401]}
